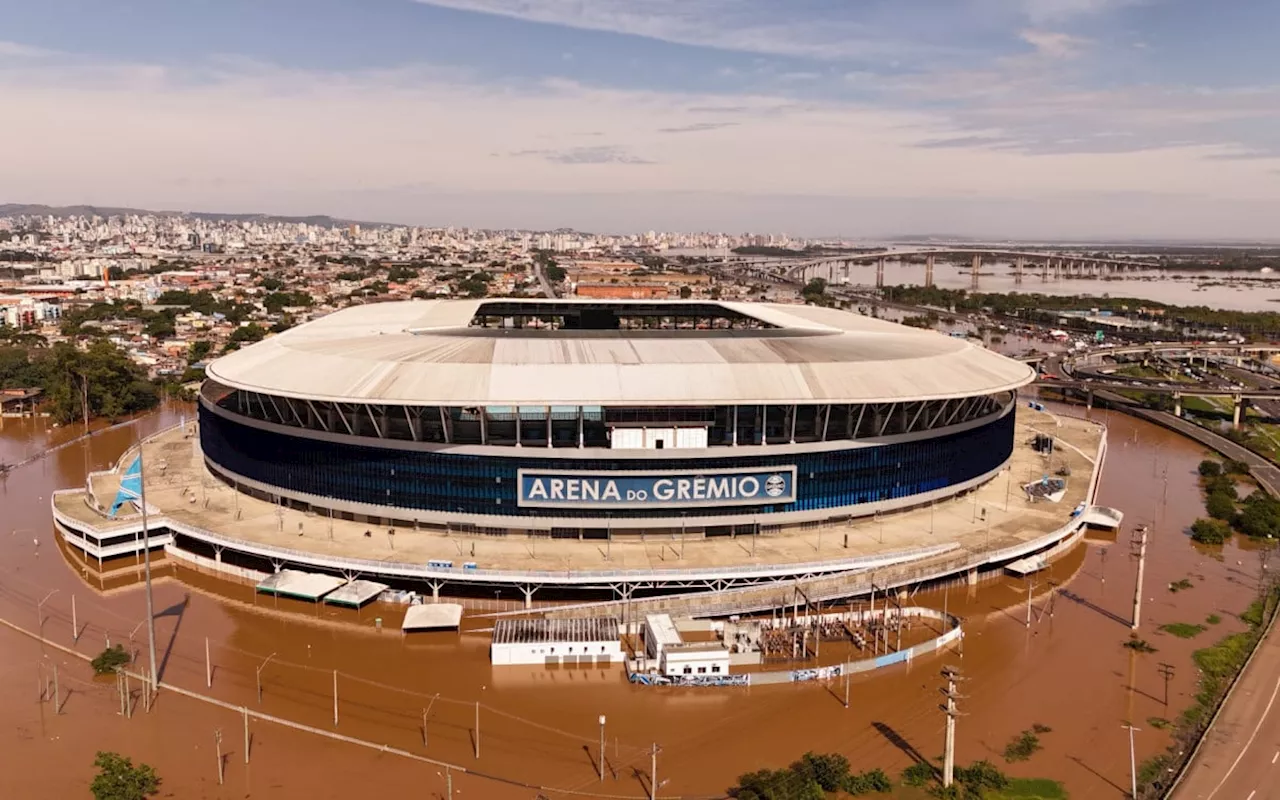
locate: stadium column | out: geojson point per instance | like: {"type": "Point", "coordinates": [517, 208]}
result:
{"type": "Point", "coordinates": [1237, 403]}
{"type": "Point", "coordinates": [928, 271]}
{"type": "Point", "coordinates": [528, 591]}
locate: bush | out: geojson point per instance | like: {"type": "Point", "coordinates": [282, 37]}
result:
{"type": "Point", "coordinates": [920, 773]}
{"type": "Point", "coordinates": [981, 776]}
{"type": "Point", "coordinates": [119, 779]}
{"type": "Point", "coordinates": [1210, 468]}
{"type": "Point", "coordinates": [1220, 506]}
{"type": "Point", "coordinates": [868, 783]}
{"type": "Point", "coordinates": [1210, 531]}
{"type": "Point", "coordinates": [1141, 645]}
{"type": "Point", "coordinates": [1183, 630]}
{"type": "Point", "coordinates": [1213, 619]}
{"type": "Point", "coordinates": [1224, 484]}
{"type": "Point", "coordinates": [1235, 467]}
{"type": "Point", "coordinates": [109, 660]}
{"type": "Point", "coordinates": [1021, 747]}
{"type": "Point", "coordinates": [830, 771]}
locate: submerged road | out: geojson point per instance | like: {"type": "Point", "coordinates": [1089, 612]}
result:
{"type": "Point", "coordinates": [1240, 756]}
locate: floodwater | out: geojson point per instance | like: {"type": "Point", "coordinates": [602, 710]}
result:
{"type": "Point", "coordinates": [539, 727]}
{"type": "Point", "coordinates": [1225, 289]}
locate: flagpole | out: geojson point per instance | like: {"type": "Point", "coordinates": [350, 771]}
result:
{"type": "Point", "coordinates": [146, 560]}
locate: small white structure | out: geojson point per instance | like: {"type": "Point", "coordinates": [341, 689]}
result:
{"type": "Point", "coordinates": [556, 641]}
{"type": "Point", "coordinates": [676, 657]}
{"type": "Point", "coordinates": [432, 617]}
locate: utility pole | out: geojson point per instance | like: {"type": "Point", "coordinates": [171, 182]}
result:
{"type": "Point", "coordinates": [217, 743]}
{"type": "Point", "coordinates": [602, 720]}
{"type": "Point", "coordinates": [1166, 672]}
{"type": "Point", "coordinates": [1133, 763]}
{"type": "Point", "coordinates": [1031, 585]}
{"type": "Point", "coordinates": [952, 675]}
{"type": "Point", "coordinates": [146, 560]}
{"type": "Point", "coordinates": [653, 772]}
{"type": "Point", "coordinates": [1142, 563]}
{"type": "Point", "coordinates": [846, 686]}
{"type": "Point", "coordinates": [477, 729]}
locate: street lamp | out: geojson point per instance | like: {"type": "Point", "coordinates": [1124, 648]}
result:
{"type": "Point", "coordinates": [40, 612]}
{"type": "Point", "coordinates": [602, 747]}
{"type": "Point", "coordinates": [448, 780]}
{"type": "Point", "coordinates": [258, 675]}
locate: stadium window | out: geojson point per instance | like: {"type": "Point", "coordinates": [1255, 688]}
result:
{"type": "Point", "coordinates": [702, 670]}
{"type": "Point", "coordinates": [688, 670]}
{"type": "Point", "coordinates": [715, 667]}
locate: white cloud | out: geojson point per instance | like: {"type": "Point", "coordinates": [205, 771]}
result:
{"type": "Point", "coordinates": [1058, 10]}
{"type": "Point", "coordinates": [1053, 44]}
{"type": "Point", "coordinates": [753, 26]}
{"type": "Point", "coordinates": [257, 138]}
{"type": "Point", "coordinates": [16, 50]}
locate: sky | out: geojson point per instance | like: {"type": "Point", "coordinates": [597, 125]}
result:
{"type": "Point", "coordinates": [858, 118]}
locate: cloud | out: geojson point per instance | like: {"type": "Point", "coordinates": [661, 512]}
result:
{"type": "Point", "coordinates": [281, 140]}
{"type": "Point", "coordinates": [1059, 10]}
{"type": "Point", "coordinates": [698, 126]}
{"type": "Point", "coordinates": [603, 154]}
{"type": "Point", "coordinates": [16, 50]}
{"type": "Point", "coordinates": [808, 28]}
{"type": "Point", "coordinates": [964, 141]}
{"type": "Point", "coordinates": [1053, 44]}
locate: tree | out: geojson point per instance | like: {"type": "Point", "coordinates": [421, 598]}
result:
{"type": "Point", "coordinates": [1210, 468]}
{"type": "Point", "coordinates": [685, 292]}
{"type": "Point", "coordinates": [248, 333]}
{"type": "Point", "coordinates": [1210, 531]}
{"type": "Point", "coordinates": [828, 770]}
{"type": "Point", "coordinates": [554, 272]}
{"type": "Point", "coordinates": [119, 779]}
{"type": "Point", "coordinates": [199, 351]}
{"type": "Point", "coordinates": [109, 660]}
{"type": "Point", "coordinates": [1221, 506]}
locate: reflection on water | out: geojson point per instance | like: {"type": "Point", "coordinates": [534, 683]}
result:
{"type": "Point", "coordinates": [1066, 670]}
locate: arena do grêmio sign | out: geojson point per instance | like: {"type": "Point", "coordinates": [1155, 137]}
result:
{"type": "Point", "coordinates": [672, 489]}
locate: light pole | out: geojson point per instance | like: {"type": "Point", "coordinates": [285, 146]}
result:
{"type": "Point", "coordinates": [602, 747]}
{"type": "Point", "coordinates": [682, 519]}
{"type": "Point", "coordinates": [448, 782]}
{"type": "Point", "coordinates": [1133, 764]}
{"type": "Point", "coordinates": [40, 612]}
{"type": "Point", "coordinates": [146, 560]}
{"type": "Point", "coordinates": [258, 675]}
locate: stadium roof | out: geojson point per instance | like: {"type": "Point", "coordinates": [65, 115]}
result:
{"type": "Point", "coordinates": [426, 353]}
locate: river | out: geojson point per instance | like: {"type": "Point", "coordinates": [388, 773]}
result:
{"type": "Point", "coordinates": [538, 727]}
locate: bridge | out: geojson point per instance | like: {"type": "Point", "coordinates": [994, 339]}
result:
{"type": "Point", "coordinates": [1047, 264]}
{"type": "Point", "coordinates": [1088, 372]}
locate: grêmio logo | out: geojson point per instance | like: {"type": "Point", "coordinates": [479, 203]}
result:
{"type": "Point", "coordinates": [630, 489]}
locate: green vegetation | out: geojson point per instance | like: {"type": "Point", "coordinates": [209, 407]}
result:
{"type": "Point", "coordinates": [1210, 531]}
{"type": "Point", "coordinates": [815, 293]}
{"type": "Point", "coordinates": [115, 385]}
{"type": "Point", "coordinates": [109, 660]}
{"type": "Point", "coordinates": [1210, 468]}
{"type": "Point", "coordinates": [1028, 789]}
{"type": "Point", "coordinates": [203, 302]}
{"type": "Point", "coordinates": [1159, 723]}
{"type": "Point", "coordinates": [119, 779]}
{"type": "Point", "coordinates": [1213, 619]}
{"type": "Point", "coordinates": [277, 301]}
{"type": "Point", "coordinates": [1218, 665]}
{"type": "Point", "coordinates": [401, 274]}
{"type": "Point", "coordinates": [1043, 308]}
{"type": "Point", "coordinates": [809, 779]}
{"type": "Point", "coordinates": [1180, 584]}
{"type": "Point", "coordinates": [1021, 747]}
{"type": "Point", "coordinates": [554, 272]}
{"type": "Point", "coordinates": [1134, 642]}
{"type": "Point", "coordinates": [199, 351]}
{"type": "Point", "coordinates": [1220, 506]}
{"type": "Point", "coordinates": [920, 773]}
{"type": "Point", "coordinates": [1183, 630]}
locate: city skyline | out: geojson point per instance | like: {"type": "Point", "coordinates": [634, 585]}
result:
{"type": "Point", "coordinates": [987, 118]}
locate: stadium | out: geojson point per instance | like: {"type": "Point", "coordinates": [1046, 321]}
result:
{"type": "Point", "coordinates": [602, 451]}
{"type": "Point", "coordinates": [597, 418]}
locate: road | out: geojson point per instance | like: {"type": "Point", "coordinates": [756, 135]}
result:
{"type": "Point", "coordinates": [547, 290]}
{"type": "Point", "coordinates": [1240, 757]}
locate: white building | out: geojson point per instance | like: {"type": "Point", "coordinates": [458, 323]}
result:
{"type": "Point", "coordinates": [556, 641]}
{"type": "Point", "coordinates": [678, 658]}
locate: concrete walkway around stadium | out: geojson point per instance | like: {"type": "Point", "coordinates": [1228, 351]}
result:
{"type": "Point", "coordinates": [182, 488]}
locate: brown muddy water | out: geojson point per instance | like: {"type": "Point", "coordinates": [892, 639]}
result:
{"type": "Point", "coordinates": [538, 726]}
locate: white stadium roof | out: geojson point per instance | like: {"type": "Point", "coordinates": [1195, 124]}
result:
{"type": "Point", "coordinates": [424, 353]}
